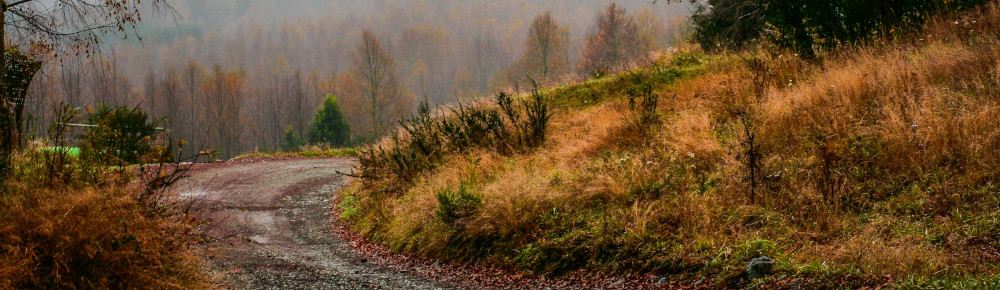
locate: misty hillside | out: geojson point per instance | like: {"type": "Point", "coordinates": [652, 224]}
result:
{"type": "Point", "coordinates": [444, 51]}
{"type": "Point", "coordinates": [447, 144]}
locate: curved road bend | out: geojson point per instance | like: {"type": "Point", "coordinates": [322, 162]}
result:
{"type": "Point", "coordinates": [272, 221]}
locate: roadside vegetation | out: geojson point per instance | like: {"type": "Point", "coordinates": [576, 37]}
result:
{"type": "Point", "coordinates": [852, 166]}
{"type": "Point", "coordinates": [87, 219]}
{"type": "Point", "coordinates": [85, 208]}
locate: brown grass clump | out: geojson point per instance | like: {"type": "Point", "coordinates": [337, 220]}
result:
{"type": "Point", "coordinates": [875, 162]}
{"type": "Point", "coordinates": [91, 239]}
{"type": "Point", "coordinates": [93, 227]}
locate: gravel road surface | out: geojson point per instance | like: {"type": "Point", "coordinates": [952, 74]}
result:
{"type": "Point", "coordinates": [271, 224]}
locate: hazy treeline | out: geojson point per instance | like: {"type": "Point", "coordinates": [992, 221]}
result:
{"type": "Point", "coordinates": [234, 75]}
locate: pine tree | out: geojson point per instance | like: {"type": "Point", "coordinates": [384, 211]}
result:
{"type": "Point", "coordinates": [292, 141]}
{"type": "Point", "coordinates": [329, 126]}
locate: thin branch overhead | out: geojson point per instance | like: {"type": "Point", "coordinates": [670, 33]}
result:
{"type": "Point", "coordinates": [76, 23]}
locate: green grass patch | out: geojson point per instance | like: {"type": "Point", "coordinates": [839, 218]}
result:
{"type": "Point", "coordinates": [69, 151]}
{"type": "Point", "coordinates": [321, 153]}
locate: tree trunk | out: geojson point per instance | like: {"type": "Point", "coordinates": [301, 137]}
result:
{"type": "Point", "coordinates": [3, 37]}
{"type": "Point", "coordinates": [6, 132]}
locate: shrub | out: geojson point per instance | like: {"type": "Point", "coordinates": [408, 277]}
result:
{"type": "Point", "coordinates": [642, 109]}
{"type": "Point", "coordinates": [506, 128]}
{"type": "Point", "coordinates": [424, 136]}
{"type": "Point", "coordinates": [329, 126]}
{"type": "Point", "coordinates": [538, 115]}
{"type": "Point", "coordinates": [474, 127]}
{"type": "Point", "coordinates": [455, 206]}
{"type": "Point", "coordinates": [120, 136]}
{"type": "Point", "coordinates": [90, 238]}
{"type": "Point", "coordinates": [292, 142]}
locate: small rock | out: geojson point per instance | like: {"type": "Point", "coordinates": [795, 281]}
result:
{"type": "Point", "coordinates": [662, 280]}
{"type": "Point", "coordinates": [759, 267]}
{"type": "Point", "coordinates": [618, 283]}
{"type": "Point", "coordinates": [697, 283]}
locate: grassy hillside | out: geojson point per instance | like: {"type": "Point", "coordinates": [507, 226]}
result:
{"type": "Point", "coordinates": [872, 165]}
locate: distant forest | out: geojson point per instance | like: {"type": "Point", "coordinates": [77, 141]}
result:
{"type": "Point", "coordinates": [234, 74]}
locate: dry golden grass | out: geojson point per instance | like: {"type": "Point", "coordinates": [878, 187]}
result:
{"type": "Point", "coordinates": [77, 232]}
{"type": "Point", "coordinates": [875, 161]}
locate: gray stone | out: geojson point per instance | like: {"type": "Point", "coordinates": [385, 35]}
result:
{"type": "Point", "coordinates": [662, 281]}
{"type": "Point", "coordinates": [760, 267]}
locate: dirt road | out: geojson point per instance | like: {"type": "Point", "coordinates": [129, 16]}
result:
{"type": "Point", "coordinates": [272, 221]}
{"type": "Point", "coordinates": [273, 228]}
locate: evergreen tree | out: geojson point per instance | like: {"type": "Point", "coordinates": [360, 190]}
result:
{"type": "Point", "coordinates": [120, 135]}
{"type": "Point", "coordinates": [806, 25]}
{"type": "Point", "coordinates": [329, 126]}
{"type": "Point", "coordinates": [292, 141]}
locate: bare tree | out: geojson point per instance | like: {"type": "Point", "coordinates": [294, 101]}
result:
{"type": "Point", "coordinates": [374, 75]}
{"type": "Point", "coordinates": [224, 91]}
{"type": "Point", "coordinates": [110, 85]}
{"type": "Point", "coordinates": [423, 53]}
{"type": "Point", "coordinates": [191, 79]}
{"type": "Point", "coordinates": [545, 53]}
{"type": "Point", "coordinates": [299, 102]}
{"type": "Point", "coordinates": [71, 72]}
{"type": "Point", "coordinates": [170, 91]}
{"type": "Point", "coordinates": [52, 23]}
{"type": "Point", "coordinates": [652, 29]}
{"type": "Point", "coordinates": [150, 92]}
{"type": "Point", "coordinates": [613, 44]}
{"type": "Point", "coordinates": [488, 58]}
{"type": "Point", "coordinates": [72, 22]}
{"type": "Point", "coordinates": [274, 109]}
{"type": "Point", "coordinates": [76, 23]}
